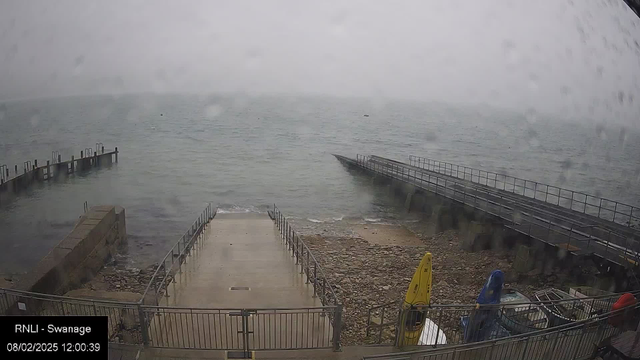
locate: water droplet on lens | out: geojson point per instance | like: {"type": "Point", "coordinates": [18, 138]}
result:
{"type": "Point", "coordinates": [510, 52]}
{"type": "Point", "coordinates": [566, 164]}
{"type": "Point", "coordinates": [78, 65]}
{"type": "Point", "coordinates": [600, 131]}
{"type": "Point", "coordinates": [35, 120]}
{"type": "Point", "coordinates": [212, 111]}
{"type": "Point", "coordinates": [337, 24]}
{"type": "Point", "coordinates": [532, 138]}
{"type": "Point", "coordinates": [517, 217]}
{"type": "Point", "coordinates": [253, 59]}
{"type": "Point", "coordinates": [623, 136]}
{"type": "Point", "coordinates": [531, 115]}
{"type": "Point", "coordinates": [429, 136]}
{"type": "Point", "coordinates": [562, 179]}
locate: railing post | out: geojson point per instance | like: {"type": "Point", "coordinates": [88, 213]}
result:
{"type": "Point", "coordinates": [143, 326]}
{"type": "Point", "coordinates": [315, 279]}
{"type": "Point", "coordinates": [308, 266]}
{"type": "Point", "coordinates": [297, 239]}
{"type": "Point", "coordinates": [584, 330]}
{"type": "Point", "coordinates": [337, 327]}
{"type": "Point", "coordinates": [571, 202]}
{"type": "Point", "coordinates": [526, 347]}
{"type": "Point", "coordinates": [324, 290]}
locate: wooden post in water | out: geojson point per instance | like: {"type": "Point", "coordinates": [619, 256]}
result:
{"type": "Point", "coordinates": [16, 170]}
{"type": "Point", "coordinates": [95, 158]}
{"type": "Point", "coordinates": [73, 164]}
{"type": "Point", "coordinates": [48, 171]}
{"type": "Point", "coordinates": [59, 158]}
{"type": "Point", "coordinates": [116, 154]}
{"type": "Point", "coordinates": [81, 154]}
{"type": "Point", "coordinates": [103, 149]}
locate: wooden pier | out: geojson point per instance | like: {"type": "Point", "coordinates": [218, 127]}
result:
{"type": "Point", "coordinates": [14, 180]}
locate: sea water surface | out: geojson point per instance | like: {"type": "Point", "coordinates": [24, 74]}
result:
{"type": "Point", "coordinates": [178, 152]}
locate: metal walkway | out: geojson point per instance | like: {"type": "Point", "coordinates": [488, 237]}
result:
{"type": "Point", "coordinates": [579, 223]}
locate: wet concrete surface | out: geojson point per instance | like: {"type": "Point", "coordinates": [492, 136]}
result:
{"type": "Point", "coordinates": [241, 263]}
{"type": "Point", "coordinates": [240, 287]}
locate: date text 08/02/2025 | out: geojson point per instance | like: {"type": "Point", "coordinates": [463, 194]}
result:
{"type": "Point", "coordinates": [41, 336]}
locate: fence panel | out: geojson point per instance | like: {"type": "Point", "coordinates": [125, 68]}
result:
{"type": "Point", "coordinates": [124, 320]}
{"type": "Point", "coordinates": [240, 329]}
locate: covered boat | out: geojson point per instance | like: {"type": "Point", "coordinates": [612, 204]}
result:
{"type": "Point", "coordinates": [562, 308]}
{"type": "Point", "coordinates": [521, 317]}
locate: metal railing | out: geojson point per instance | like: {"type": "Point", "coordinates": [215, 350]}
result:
{"type": "Point", "coordinates": [241, 329]}
{"type": "Point", "coordinates": [385, 323]}
{"type": "Point", "coordinates": [26, 166]}
{"type": "Point", "coordinates": [310, 267]}
{"type": "Point", "coordinates": [538, 223]}
{"type": "Point", "coordinates": [124, 318]}
{"type": "Point", "coordinates": [4, 173]}
{"type": "Point", "coordinates": [55, 157]}
{"type": "Point", "coordinates": [610, 210]}
{"type": "Point", "coordinates": [202, 328]}
{"type": "Point", "coordinates": [305, 259]}
{"type": "Point", "coordinates": [172, 261]}
{"type": "Point", "coordinates": [570, 341]}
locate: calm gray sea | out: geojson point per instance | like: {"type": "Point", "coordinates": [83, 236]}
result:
{"type": "Point", "coordinates": [179, 152]}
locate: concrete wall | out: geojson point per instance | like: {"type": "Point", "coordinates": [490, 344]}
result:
{"type": "Point", "coordinates": [79, 256]}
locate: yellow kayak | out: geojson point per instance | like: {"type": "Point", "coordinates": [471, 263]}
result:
{"type": "Point", "coordinates": [418, 295]}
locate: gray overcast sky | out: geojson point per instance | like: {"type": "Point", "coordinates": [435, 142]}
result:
{"type": "Point", "coordinates": [573, 58]}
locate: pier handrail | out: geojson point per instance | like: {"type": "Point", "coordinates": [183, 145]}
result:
{"type": "Point", "coordinates": [576, 225]}
{"type": "Point", "coordinates": [445, 186]}
{"type": "Point", "coordinates": [512, 183]}
{"type": "Point", "coordinates": [313, 270]}
{"type": "Point", "coordinates": [179, 251]}
{"type": "Point", "coordinates": [300, 250]}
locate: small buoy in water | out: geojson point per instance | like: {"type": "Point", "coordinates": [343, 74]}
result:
{"type": "Point", "coordinates": [366, 115]}
{"type": "Point", "coordinates": [161, 115]}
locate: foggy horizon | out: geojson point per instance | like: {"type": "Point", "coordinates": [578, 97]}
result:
{"type": "Point", "coordinates": [571, 59]}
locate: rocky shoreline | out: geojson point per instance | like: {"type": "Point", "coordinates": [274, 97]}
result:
{"type": "Point", "coordinates": [366, 274]}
